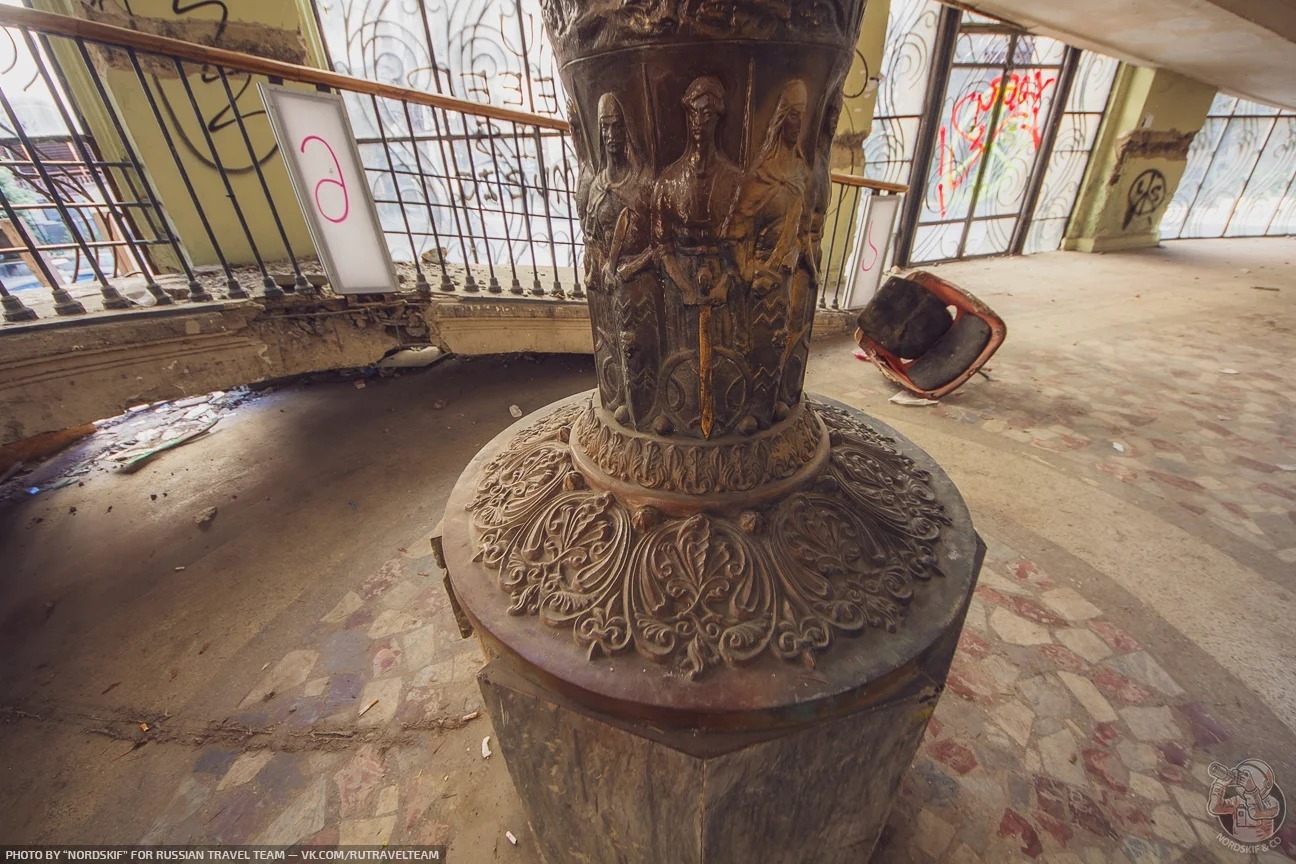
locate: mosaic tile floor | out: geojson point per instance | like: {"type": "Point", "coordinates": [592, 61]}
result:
{"type": "Point", "coordinates": [1060, 736]}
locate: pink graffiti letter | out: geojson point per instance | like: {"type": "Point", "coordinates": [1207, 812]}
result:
{"type": "Point", "coordinates": [346, 199]}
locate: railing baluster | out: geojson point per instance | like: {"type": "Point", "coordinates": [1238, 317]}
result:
{"type": "Point", "coordinates": [492, 283]}
{"type": "Point", "coordinates": [516, 286]}
{"type": "Point", "coordinates": [557, 290]}
{"type": "Point", "coordinates": [269, 287]}
{"type": "Point", "coordinates": [832, 246]}
{"type": "Point", "coordinates": [577, 292]}
{"type": "Point", "coordinates": [536, 289]}
{"type": "Point", "coordinates": [299, 279]}
{"type": "Point", "coordinates": [112, 298]}
{"type": "Point", "coordinates": [420, 282]}
{"type": "Point", "coordinates": [64, 304]}
{"type": "Point", "coordinates": [234, 290]}
{"type": "Point", "coordinates": [851, 216]}
{"type": "Point", "coordinates": [194, 287]}
{"type": "Point", "coordinates": [470, 283]}
{"type": "Point", "coordinates": [14, 309]}
{"type": "Point", "coordinates": [446, 284]}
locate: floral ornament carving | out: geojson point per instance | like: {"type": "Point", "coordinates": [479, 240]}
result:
{"type": "Point", "coordinates": [841, 555]}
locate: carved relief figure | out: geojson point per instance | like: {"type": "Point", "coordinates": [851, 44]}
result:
{"type": "Point", "coordinates": [614, 211]}
{"type": "Point", "coordinates": [806, 280]}
{"type": "Point", "coordinates": [769, 223]}
{"type": "Point", "coordinates": [704, 384]}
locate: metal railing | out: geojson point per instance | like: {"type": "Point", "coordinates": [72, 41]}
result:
{"type": "Point", "coordinates": [164, 139]}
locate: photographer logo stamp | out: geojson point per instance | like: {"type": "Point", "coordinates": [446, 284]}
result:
{"type": "Point", "coordinates": [1248, 803]}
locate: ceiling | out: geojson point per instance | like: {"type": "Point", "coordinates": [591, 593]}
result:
{"type": "Point", "coordinates": [1243, 47]}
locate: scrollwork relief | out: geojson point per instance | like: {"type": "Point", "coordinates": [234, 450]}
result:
{"type": "Point", "coordinates": [839, 556]}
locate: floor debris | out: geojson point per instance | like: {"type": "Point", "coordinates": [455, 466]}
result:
{"type": "Point", "coordinates": [205, 516]}
{"type": "Point", "coordinates": [903, 398]}
{"type": "Point", "coordinates": [154, 426]}
{"type": "Point", "coordinates": [515, 411]}
{"type": "Point", "coordinates": [133, 460]}
{"type": "Point", "coordinates": [486, 751]}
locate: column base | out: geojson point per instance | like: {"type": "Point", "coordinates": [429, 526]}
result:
{"type": "Point", "coordinates": [599, 789]}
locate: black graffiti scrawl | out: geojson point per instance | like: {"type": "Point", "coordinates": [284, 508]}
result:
{"type": "Point", "coordinates": [1146, 194]}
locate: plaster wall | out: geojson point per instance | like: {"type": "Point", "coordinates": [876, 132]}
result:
{"type": "Point", "coordinates": [1138, 159]}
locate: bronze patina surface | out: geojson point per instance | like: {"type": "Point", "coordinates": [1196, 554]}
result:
{"type": "Point", "coordinates": [715, 618]}
{"type": "Point", "coordinates": [696, 537]}
{"type": "Point", "coordinates": [696, 570]}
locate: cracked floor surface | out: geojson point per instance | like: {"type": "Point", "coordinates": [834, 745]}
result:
{"type": "Point", "coordinates": [1129, 463]}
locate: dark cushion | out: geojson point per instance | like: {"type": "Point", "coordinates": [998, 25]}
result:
{"type": "Point", "coordinates": [952, 354]}
{"type": "Point", "coordinates": [904, 318]}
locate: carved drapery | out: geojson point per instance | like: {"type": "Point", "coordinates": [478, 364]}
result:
{"type": "Point", "coordinates": [702, 192]}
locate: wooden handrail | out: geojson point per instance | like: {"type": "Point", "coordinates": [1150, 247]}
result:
{"type": "Point", "coordinates": [866, 183]}
{"type": "Point", "coordinates": [109, 34]}
{"type": "Point", "coordinates": [54, 24]}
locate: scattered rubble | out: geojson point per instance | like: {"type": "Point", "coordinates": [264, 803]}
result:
{"type": "Point", "coordinates": [124, 443]}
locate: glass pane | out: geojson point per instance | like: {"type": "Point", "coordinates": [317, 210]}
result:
{"type": "Point", "coordinates": [1247, 108]}
{"type": "Point", "coordinates": [1285, 219]}
{"type": "Point", "coordinates": [1269, 181]}
{"type": "Point", "coordinates": [989, 237]}
{"type": "Point", "coordinates": [1076, 132]}
{"type": "Point", "coordinates": [960, 143]}
{"type": "Point", "coordinates": [1093, 82]}
{"type": "Point", "coordinates": [1199, 158]}
{"type": "Point", "coordinates": [889, 148]}
{"type": "Point", "coordinates": [480, 50]}
{"type": "Point", "coordinates": [1061, 182]}
{"type": "Point", "coordinates": [1008, 173]}
{"type": "Point", "coordinates": [1045, 235]}
{"type": "Point", "coordinates": [1027, 97]}
{"type": "Point", "coordinates": [906, 60]}
{"type": "Point", "coordinates": [1039, 51]}
{"type": "Point", "coordinates": [936, 243]}
{"type": "Point", "coordinates": [906, 64]}
{"type": "Point", "coordinates": [981, 48]}
{"type": "Point", "coordinates": [1227, 176]}
{"type": "Point", "coordinates": [1222, 105]}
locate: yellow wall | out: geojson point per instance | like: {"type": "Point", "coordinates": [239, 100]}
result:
{"type": "Point", "coordinates": [852, 128]}
{"type": "Point", "coordinates": [275, 28]}
{"type": "Point", "coordinates": [1151, 118]}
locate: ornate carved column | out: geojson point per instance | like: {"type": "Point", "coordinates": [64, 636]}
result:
{"type": "Point", "coordinates": [718, 611]}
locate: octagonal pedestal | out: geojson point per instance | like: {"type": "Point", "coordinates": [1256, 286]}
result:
{"type": "Point", "coordinates": [597, 788]}
{"type": "Point", "coordinates": [694, 678]}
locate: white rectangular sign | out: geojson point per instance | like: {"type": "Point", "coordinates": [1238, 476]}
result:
{"type": "Point", "coordinates": [323, 161]}
{"type": "Point", "coordinates": [868, 256]}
